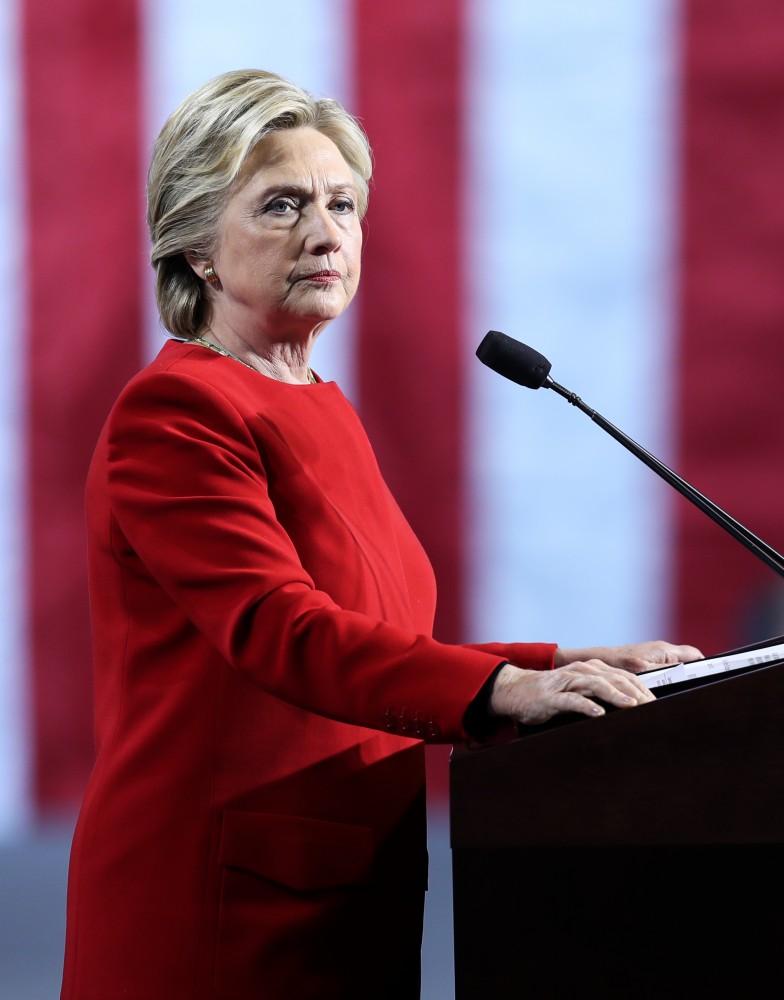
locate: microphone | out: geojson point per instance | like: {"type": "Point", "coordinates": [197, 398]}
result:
{"type": "Point", "coordinates": [527, 367]}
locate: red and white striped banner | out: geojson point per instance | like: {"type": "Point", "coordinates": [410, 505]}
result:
{"type": "Point", "coordinates": [602, 181]}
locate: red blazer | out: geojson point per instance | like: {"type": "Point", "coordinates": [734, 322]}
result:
{"type": "Point", "coordinates": [254, 825]}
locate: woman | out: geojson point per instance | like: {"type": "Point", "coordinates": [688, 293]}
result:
{"type": "Point", "coordinates": [264, 671]}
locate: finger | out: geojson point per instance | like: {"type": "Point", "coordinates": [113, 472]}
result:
{"type": "Point", "coordinates": [633, 665]}
{"type": "Point", "coordinates": [573, 701]}
{"type": "Point", "coordinates": [671, 656]}
{"type": "Point", "coordinates": [665, 653]}
{"type": "Point", "coordinates": [556, 704]}
{"type": "Point", "coordinates": [622, 691]}
{"type": "Point", "coordinates": [636, 665]}
{"type": "Point", "coordinates": [619, 676]}
{"type": "Point", "coordinates": [686, 654]}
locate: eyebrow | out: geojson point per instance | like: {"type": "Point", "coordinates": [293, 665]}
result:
{"type": "Point", "coordinates": [302, 190]}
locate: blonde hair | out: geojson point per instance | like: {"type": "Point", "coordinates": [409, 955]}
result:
{"type": "Point", "coordinates": [196, 159]}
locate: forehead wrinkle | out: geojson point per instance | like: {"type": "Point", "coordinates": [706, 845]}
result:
{"type": "Point", "coordinates": [306, 189]}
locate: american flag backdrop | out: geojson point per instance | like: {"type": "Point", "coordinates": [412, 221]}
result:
{"type": "Point", "coordinates": [603, 180]}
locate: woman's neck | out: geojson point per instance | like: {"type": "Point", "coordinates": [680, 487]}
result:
{"type": "Point", "coordinates": [283, 361]}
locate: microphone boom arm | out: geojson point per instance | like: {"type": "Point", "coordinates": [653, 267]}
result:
{"type": "Point", "coordinates": [742, 534]}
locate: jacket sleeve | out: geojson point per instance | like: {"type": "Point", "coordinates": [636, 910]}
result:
{"type": "Point", "coordinates": [189, 495]}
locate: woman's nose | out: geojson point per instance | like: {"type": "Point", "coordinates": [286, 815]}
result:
{"type": "Point", "coordinates": [323, 234]}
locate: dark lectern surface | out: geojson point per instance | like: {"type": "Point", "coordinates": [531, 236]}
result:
{"type": "Point", "coordinates": [636, 855]}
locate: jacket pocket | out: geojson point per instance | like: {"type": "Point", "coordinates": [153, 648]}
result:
{"type": "Point", "coordinates": [295, 851]}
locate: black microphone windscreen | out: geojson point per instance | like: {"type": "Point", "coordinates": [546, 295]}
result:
{"type": "Point", "coordinates": [513, 360]}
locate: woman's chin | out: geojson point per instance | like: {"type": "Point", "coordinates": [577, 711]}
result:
{"type": "Point", "coordinates": [321, 311]}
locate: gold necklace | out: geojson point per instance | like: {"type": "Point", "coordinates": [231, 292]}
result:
{"type": "Point", "coordinates": [228, 354]}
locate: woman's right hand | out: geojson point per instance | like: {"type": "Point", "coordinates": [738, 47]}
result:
{"type": "Point", "coordinates": [533, 696]}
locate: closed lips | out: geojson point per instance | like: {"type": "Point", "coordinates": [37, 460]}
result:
{"type": "Point", "coordinates": [320, 276]}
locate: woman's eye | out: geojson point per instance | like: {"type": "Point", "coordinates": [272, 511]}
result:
{"type": "Point", "coordinates": [280, 206]}
{"type": "Point", "coordinates": [343, 206]}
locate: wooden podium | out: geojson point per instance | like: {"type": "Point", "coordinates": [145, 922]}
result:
{"type": "Point", "coordinates": [638, 855]}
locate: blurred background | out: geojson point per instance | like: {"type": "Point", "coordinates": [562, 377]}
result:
{"type": "Point", "coordinates": [602, 181]}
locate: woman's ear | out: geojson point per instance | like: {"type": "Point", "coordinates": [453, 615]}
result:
{"type": "Point", "coordinates": [198, 265]}
{"type": "Point", "coordinates": [203, 269]}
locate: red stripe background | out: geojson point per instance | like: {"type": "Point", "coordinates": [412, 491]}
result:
{"type": "Point", "coordinates": [731, 337]}
{"type": "Point", "coordinates": [82, 122]}
{"type": "Point", "coordinates": [408, 94]}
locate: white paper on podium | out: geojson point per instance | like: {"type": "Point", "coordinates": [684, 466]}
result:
{"type": "Point", "coordinates": [724, 663]}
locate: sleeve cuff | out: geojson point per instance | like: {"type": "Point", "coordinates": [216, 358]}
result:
{"type": "Point", "coordinates": [478, 723]}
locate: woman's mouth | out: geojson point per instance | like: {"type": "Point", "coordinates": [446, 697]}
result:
{"type": "Point", "coordinates": [320, 277]}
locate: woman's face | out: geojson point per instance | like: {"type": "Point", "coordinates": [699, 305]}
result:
{"type": "Point", "coordinates": [289, 241]}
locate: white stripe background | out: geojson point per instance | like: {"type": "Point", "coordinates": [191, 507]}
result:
{"type": "Point", "coordinates": [569, 244]}
{"type": "Point", "coordinates": [15, 692]}
{"type": "Point", "coordinates": [568, 237]}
